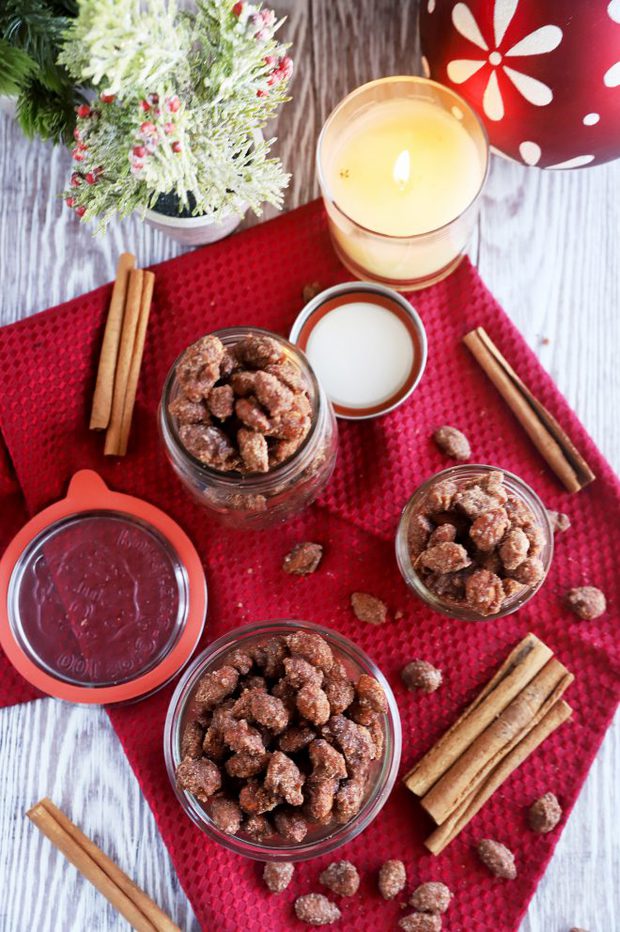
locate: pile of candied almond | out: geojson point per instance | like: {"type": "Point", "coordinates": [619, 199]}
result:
{"type": "Point", "coordinates": [243, 407]}
{"type": "Point", "coordinates": [474, 544]}
{"type": "Point", "coordinates": [280, 739]}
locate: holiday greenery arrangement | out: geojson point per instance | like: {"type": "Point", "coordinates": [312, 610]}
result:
{"type": "Point", "coordinates": [180, 99]}
{"type": "Point", "coordinates": [31, 34]}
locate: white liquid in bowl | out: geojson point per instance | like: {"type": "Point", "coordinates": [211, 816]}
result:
{"type": "Point", "coordinates": [361, 353]}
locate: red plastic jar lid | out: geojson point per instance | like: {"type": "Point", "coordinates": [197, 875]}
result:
{"type": "Point", "coordinates": [103, 597]}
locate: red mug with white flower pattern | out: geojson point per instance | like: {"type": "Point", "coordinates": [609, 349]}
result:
{"type": "Point", "coordinates": [544, 75]}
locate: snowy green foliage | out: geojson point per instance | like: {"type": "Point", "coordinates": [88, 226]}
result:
{"type": "Point", "coordinates": [31, 34]}
{"type": "Point", "coordinates": [180, 100]}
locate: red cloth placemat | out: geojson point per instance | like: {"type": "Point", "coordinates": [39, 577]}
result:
{"type": "Point", "coordinates": [47, 369]}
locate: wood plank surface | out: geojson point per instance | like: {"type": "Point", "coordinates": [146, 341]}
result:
{"type": "Point", "coordinates": [547, 246]}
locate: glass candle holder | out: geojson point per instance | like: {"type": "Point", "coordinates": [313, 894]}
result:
{"type": "Point", "coordinates": [401, 164]}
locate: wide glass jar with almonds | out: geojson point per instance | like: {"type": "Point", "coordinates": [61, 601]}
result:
{"type": "Point", "coordinates": [247, 427]}
{"type": "Point", "coordinates": [474, 542]}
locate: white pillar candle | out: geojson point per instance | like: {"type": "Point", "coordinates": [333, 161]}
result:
{"type": "Point", "coordinates": [401, 166]}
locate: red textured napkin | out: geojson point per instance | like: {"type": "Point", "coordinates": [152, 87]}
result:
{"type": "Point", "coordinates": [47, 372]}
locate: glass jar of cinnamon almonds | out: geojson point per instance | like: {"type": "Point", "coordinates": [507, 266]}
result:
{"type": "Point", "coordinates": [293, 832]}
{"type": "Point", "coordinates": [247, 427]}
{"type": "Point", "coordinates": [474, 542]}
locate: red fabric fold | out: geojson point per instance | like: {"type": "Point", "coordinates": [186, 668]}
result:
{"type": "Point", "coordinates": [47, 371]}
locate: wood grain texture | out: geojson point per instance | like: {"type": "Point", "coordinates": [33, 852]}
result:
{"type": "Point", "coordinates": [546, 245]}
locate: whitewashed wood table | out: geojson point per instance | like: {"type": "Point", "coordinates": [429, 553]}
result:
{"type": "Point", "coordinates": [546, 245]}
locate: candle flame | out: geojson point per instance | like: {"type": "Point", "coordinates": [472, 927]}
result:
{"type": "Point", "coordinates": [402, 169]}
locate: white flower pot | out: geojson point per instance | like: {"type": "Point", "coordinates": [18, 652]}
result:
{"type": "Point", "coordinates": [193, 231]}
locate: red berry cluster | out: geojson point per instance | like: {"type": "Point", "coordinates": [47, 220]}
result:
{"type": "Point", "coordinates": [263, 22]}
{"type": "Point", "coordinates": [79, 178]}
{"type": "Point", "coordinates": [151, 103]}
{"type": "Point", "coordinates": [84, 112]}
{"type": "Point", "coordinates": [149, 133]}
{"type": "Point", "coordinates": [281, 70]}
{"type": "Point", "coordinates": [78, 153]}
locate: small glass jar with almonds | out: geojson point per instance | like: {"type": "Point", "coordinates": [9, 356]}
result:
{"type": "Point", "coordinates": [474, 542]}
{"type": "Point", "coordinates": [247, 427]}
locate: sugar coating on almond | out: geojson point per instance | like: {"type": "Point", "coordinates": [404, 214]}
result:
{"type": "Point", "coordinates": [544, 814]}
{"type": "Point", "coordinates": [392, 879]}
{"type": "Point", "coordinates": [497, 858]}
{"type": "Point", "coordinates": [421, 675]}
{"type": "Point", "coordinates": [303, 559]}
{"type": "Point", "coordinates": [316, 910]}
{"type": "Point", "coordinates": [559, 521]}
{"type": "Point", "coordinates": [278, 875]}
{"type": "Point", "coordinates": [341, 877]}
{"type": "Point", "coordinates": [420, 922]}
{"type": "Point", "coordinates": [368, 608]}
{"type": "Point", "coordinates": [432, 897]}
{"type": "Point", "coordinates": [587, 602]}
{"type": "Point", "coordinates": [452, 442]}
{"type": "Point", "coordinates": [226, 814]}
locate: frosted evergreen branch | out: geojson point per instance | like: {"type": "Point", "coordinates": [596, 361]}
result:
{"type": "Point", "coordinates": [181, 97]}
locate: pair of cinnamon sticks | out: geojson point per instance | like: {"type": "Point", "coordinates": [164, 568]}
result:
{"type": "Point", "coordinates": [510, 718]}
{"type": "Point", "coordinates": [121, 354]}
{"type": "Point", "coordinates": [132, 902]}
{"type": "Point", "coordinates": [551, 441]}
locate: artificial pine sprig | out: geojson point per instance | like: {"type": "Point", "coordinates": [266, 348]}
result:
{"type": "Point", "coordinates": [31, 34]}
{"type": "Point", "coordinates": [16, 66]}
{"type": "Point", "coordinates": [118, 47]}
{"type": "Point", "coordinates": [47, 113]}
{"type": "Point", "coordinates": [181, 100]}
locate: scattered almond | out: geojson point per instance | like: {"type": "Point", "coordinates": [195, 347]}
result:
{"type": "Point", "coordinates": [586, 602]}
{"type": "Point", "coordinates": [433, 897]}
{"type": "Point", "coordinates": [303, 559]}
{"type": "Point", "coordinates": [368, 608]}
{"type": "Point", "coordinates": [558, 520]}
{"type": "Point", "coordinates": [497, 858]}
{"type": "Point", "coordinates": [392, 879]}
{"type": "Point", "coordinates": [278, 875]}
{"type": "Point", "coordinates": [341, 877]}
{"type": "Point", "coordinates": [452, 442]}
{"type": "Point", "coordinates": [420, 922]}
{"type": "Point", "coordinates": [421, 675]}
{"type": "Point", "coordinates": [316, 910]}
{"type": "Point", "coordinates": [544, 814]}
{"type": "Point", "coordinates": [310, 291]}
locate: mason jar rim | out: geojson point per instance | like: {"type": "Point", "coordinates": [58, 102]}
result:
{"type": "Point", "coordinates": [384, 780]}
{"type": "Point", "coordinates": [413, 579]}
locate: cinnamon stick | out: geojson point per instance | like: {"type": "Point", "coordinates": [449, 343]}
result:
{"type": "Point", "coordinates": [128, 336]}
{"type": "Point", "coordinates": [136, 361]}
{"type": "Point", "coordinates": [519, 668]}
{"type": "Point", "coordinates": [139, 910]}
{"type": "Point", "coordinates": [548, 437]}
{"type": "Point", "coordinates": [583, 471]}
{"type": "Point", "coordinates": [104, 388]}
{"type": "Point", "coordinates": [448, 830]}
{"type": "Point", "coordinates": [466, 775]}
